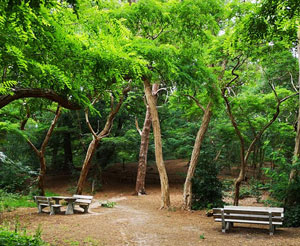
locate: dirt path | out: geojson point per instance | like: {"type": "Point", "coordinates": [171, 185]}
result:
{"type": "Point", "coordinates": [137, 221]}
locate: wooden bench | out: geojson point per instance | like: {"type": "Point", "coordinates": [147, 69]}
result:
{"type": "Point", "coordinates": [251, 215]}
{"type": "Point", "coordinates": [43, 201]}
{"type": "Point", "coordinates": [83, 201]}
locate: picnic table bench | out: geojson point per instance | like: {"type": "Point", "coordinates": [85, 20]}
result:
{"type": "Point", "coordinates": [83, 201]}
{"type": "Point", "coordinates": [228, 215]}
{"type": "Point", "coordinates": [43, 202]}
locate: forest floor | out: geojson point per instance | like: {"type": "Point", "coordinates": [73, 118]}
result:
{"type": "Point", "coordinates": [138, 221]}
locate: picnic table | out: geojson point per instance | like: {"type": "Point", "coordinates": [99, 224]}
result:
{"type": "Point", "coordinates": [70, 202]}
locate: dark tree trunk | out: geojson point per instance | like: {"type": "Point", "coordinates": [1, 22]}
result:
{"type": "Point", "coordinates": [41, 178]}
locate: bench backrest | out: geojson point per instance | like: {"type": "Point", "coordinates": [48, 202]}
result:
{"type": "Point", "coordinates": [42, 199]}
{"type": "Point", "coordinates": [249, 214]}
{"type": "Point", "coordinates": [83, 199]}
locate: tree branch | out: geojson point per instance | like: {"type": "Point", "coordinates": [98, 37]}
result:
{"type": "Point", "coordinates": [38, 93]}
{"type": "Point", "coordinates": [137, 126]}
{"type": "Point", "coordinates": [196, 101]}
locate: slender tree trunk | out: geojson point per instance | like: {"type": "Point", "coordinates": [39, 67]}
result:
{"type": "Point", "coordinates": [41, 178]}
{"type": "Point", "coordinates": [165, 195]}
{"type": "Point", "coordinates": [187, 190]}
{"type": "Point", "coordinates": [142, 166]}
{"type": "Point", "coordinates": [86, 165]}
{"type": "Point", "coordinates": [293, 173]}
{"type": "Point", "coordinates": [145, 134]}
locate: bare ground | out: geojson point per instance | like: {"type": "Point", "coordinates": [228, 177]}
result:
{"type": "Point", "coordinates": [137, 221]}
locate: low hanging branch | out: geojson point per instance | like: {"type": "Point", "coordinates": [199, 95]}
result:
{"type": "Point", "coordinates": [18, 93]}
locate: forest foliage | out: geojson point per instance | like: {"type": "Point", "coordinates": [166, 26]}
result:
{"type": "Point", "coordinates": [83, 54]}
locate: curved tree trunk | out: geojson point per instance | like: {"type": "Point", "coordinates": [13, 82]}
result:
{"type": "Point", "coordinates": [165, 195]}
{"type": "Point", "coordinates": [142, 166]}
{"type": "Point", "coordinates": [187, 190]}
{"type": "Point", "coordinates": [86, 165]}
{"type": "Point", "coordinates": [114, 109]}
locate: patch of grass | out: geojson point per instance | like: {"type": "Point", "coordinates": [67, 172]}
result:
{"type": "Point", "coordinates": [202, 236]}
{"type": "Point", "coordinates": [108, 204]}
{"type": "Point", "coordinates": [50, 193]}
{"type": "Point", "coordinates": [20, 237]}
{"type": "Point", "coordinates": [9, 201]}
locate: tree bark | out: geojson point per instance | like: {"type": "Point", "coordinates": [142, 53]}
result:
{"type": "Point", "coordinates": [18, 93]}
{"type": "Point", "coordinates": [145, 134]}
{"type": "Point", "coordinates": [142, 165]}
{"type": "Point", "coordinates": [187, 190]}
{"type": "Point", "coordinates": [165, 195]}
{"type": "Point", "coordinates": [86, 165]}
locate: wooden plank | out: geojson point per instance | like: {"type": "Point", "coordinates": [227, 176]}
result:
{"type": "Point", "coordinates": [272, 209]}
{"type": "Point", "coordinates": [83, 197]}
{"type": "Point", "coordinates": [266, 213]}
{"type": "Point", "coordinates": [83, 201]}
{"type": "Point", "coordinates": [248, 221]}
{"type": "Point", "coordinates": [248, 217]}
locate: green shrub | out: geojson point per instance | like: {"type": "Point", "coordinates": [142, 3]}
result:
{"type": "Point", "coordinates": [282, 191]}
{"type": "Point", "coordinates": [207, 188]}
{"type": "Point", "coordinates": [14, 176]}
{"type": "Point", "coordinates": [9, 201]}
{"type": "Point", "coordinates": [292, 216]}
{"type": "Point", "coordinates": [12, 238]}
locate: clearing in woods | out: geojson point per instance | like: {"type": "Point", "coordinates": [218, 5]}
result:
{"type": "Point", "coordinates": [137, 220]}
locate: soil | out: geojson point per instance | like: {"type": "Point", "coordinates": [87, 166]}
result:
{"type": "Point", "coordinates": [138, 221]}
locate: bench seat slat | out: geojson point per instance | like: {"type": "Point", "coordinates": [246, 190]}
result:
{"type": "Point", "coordinates": [83, 197]}
{"type": "Point", "coordinates": [249, 221]}
{"type": "Point", "coordinates": [83, 201]}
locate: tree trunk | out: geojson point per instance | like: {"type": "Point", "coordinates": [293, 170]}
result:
{"type": "Point", "coordinates": [41, 154]}
{"type": "Point", "coordinates": [142, 166]}
{"type": "Point", "coordinates": [293, 173]}
{"type": "Point", "coordinates": [187, 190]}
{"type": "Point", "coordinates": [165, 195]}
{"type": "Point", "coordinates": [86, 165]}
{"type": "Point", "coordinates": [97, 137]}
{"type": "Point", "coordinates": [41, 178]}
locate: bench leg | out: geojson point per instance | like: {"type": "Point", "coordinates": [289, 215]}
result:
{"type": "Point", "coordinates": [272, 230]}
{"type": "Point", "coordinates": [40, 208]}
{"type": "Point", "coordinates": [70, 208]}
{"type": "Point", "coordinates": [228, 225]}
{"type": "Point", "coordinates": [52, 211]}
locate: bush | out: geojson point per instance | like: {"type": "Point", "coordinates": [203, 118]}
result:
{"type": "Point", "coordinates": [9, 202]}
{"type": "Point", "coordinates": [14, 176]}
{"type": "Point", "coordinates": [12, 238]}
{"type": "Point", "coordinates": [207, 188]}
{"type": "Point", "coordinates": [285, 194]}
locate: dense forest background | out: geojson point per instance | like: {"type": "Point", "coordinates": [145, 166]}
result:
{"type": "Point", "coordinates": [218, 79]}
